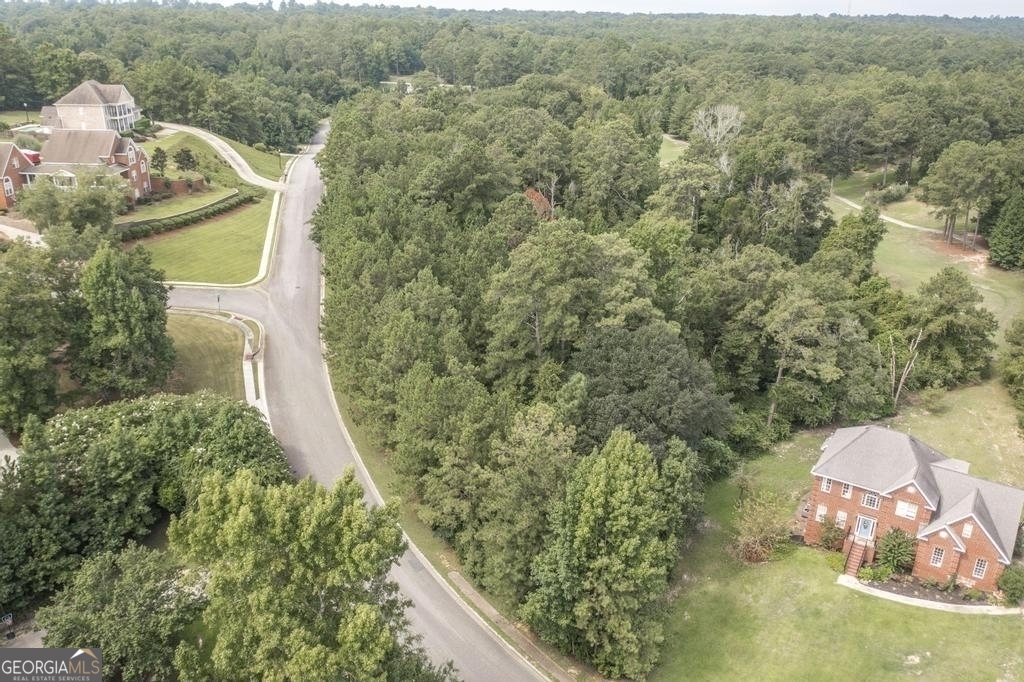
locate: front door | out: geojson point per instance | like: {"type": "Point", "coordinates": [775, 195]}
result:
{"type": "Point", "coordinates": [865, 527]}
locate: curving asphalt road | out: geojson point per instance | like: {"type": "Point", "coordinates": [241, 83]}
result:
{"type": "Point", "coordinates": [306, 421]}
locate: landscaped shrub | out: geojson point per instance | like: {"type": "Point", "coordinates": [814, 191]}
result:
{"type": "Point", "coordinates": [760, 526]}
{"type": "Point", "coordinates": [896, 551]}
{"type": "Point", "coordinates": [1011, 582]}
{"type": "Point", "coordinates": [836, 561]}
{"type": "Point", "coordinates": [874, 574]}
{"type": "Point", "coordinates": [974, 594]}
{"type": "Point", "coordinates": [832, 534]}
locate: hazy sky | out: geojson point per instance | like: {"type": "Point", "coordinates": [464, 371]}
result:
{"type": "Point", "coordinates": [955, 8]}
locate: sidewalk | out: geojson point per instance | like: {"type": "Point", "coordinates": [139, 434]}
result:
{"type": "Point", "coordinates": [15, 233]}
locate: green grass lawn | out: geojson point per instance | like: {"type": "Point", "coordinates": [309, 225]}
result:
{"type": "Point", "coordinates": [175, 205]}
{"type": "Point", "coordinates": [210, 164]}
{"type": "Point", "coordinates": [269, 165]}
{"type": "Point", "coordinates": [16, 117]}
{"type": "Point", "coordinates": [223, 250]}
{"type": "Point", "coordinates": [670, 150]}
{"type": "Point", "coordinates": [209, 354]}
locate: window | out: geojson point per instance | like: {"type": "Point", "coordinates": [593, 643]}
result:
{"type": "Point", "coordinates": [134, 175]}
{"type": "Point", "coordinates": [8, 187]}
{"type": "Point", "coordinates": [847, 490]}
{"type": "Point", "coordinates": [906, 510]}
{"type": "Point", "coordinates": [968, 529]}
{"type": "Point", "coordinates": [15, 162]}
{"type": "Point", "coordinates": [819, 515]}
{"type": "Point", "coordinates": [826, 485]}
{"type": "Point", "coordinates": [980, 566]}
{"type": "Point", "coordinates": [870, 500]}
{"type": "Point", "coordinates": [937, 555]}
{"type": "Point", "coordinates": [131, 154]}
{"type": "Point", "coordinates": [142, 165]}
{"type": "Point", "coordinates": [841, 519]}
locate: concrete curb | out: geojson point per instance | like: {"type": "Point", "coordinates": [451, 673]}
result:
{"type": "Point", "coordinates": [15, 234]}
{"type": "Point", "coordinates": [979, 610]}
{"type": "Point", "coordinates": [252, 355]}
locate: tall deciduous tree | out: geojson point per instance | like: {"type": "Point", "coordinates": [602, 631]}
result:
{"type": "Point", "coordinates": [29, 334]}
{"type": "Point", "coordinates": [528, 468]}
{"type": "Point", "coordinates": [956, 342]}
{"type": "Point", "coordinates": [134, 604]}
{"type": "Point", "coordinates": [606, 566]}
{"type": "Point", "coordinates": [298, 585]}
{"type": "Point", "coordinates": [128, 350]}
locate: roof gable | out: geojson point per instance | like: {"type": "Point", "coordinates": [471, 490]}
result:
{"type": "Point", "coordinates": [80, 146]}
{"type": "Point", "coordinates": [9, 149]}
{"type": "Point", "coordinates": [93, 93]}
{"type": "Point", "coordinates": [879, 459]}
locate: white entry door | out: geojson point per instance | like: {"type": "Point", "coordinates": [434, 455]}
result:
{"type": "Point", "coordinates": [865, 527]}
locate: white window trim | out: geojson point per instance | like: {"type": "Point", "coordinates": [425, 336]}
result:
{"type": "Point", "coordinates": [826, 485]}
{"type": "Point", "coordinates": [938, 556]}
{"type": "Point", "coordinates": [847, 491]}
{"type": "Point", "coordinates": [8, 187]}
{"type": "Point", "coordinates": [820, 513]}
{"type": "Point", "coordinates": [841, 518]}
{"type": "Point", "coordinates": [906, 510]}
{"type": "Point", "coordinates": [981, 564]}
{"type": "Point", "coordinates": [871, 496]}
{"type": "Point", "coordinates": [967, 530]}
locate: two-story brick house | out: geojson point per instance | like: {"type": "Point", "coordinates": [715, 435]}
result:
{"type": "Point", "coordinates": [13, 162]}
{"type": "Point", "coordinates": [70, 154]}
{"type": "Point", "coordinates": [870, 479]}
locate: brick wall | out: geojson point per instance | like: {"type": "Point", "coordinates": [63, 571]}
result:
{"type": "Point", "coordinates": [960, 564]}
{"type": "Point", "coordinates": [885, 516]}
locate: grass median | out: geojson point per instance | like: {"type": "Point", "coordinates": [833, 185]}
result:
{"type": "Point", "coordinates": [209, 355]}
{"type": "Point", "coordinates": [223, 250]}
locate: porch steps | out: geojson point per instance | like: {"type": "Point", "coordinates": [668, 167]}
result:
{"type": "Point", "coordinates": [855, 558]}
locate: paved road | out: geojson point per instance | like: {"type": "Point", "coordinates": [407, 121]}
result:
{"type": "Point", "coordinates": [304, 419]}
{"type": "Point", "coordinates": [229, 153]}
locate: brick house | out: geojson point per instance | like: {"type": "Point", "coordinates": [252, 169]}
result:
{"type": "Point", "coordinates": [870, 479]}
{"type": "Point", "coordinates": [13, 162]}
{"type": "Point", "coordinates": [68, 154]}
{"type": "Point", "coordinates": [93, 106]}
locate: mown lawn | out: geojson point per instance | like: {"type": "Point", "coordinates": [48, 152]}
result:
{"type": "Point", "coordinates": [209, 355]}
{"type": "Point", "coordinates": [210, 164]}
{"type": "Point", "coordinates": [223, 250]}
{"type": "Point", "coordinates": [175, 205]}
{"type": "Point", "coordinates": [269, 165]}
{"type": "Point", "coordinates": [16, 117]}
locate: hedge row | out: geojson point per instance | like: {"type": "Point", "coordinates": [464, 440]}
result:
{"type": "Point", "coordinates": [186, 219]}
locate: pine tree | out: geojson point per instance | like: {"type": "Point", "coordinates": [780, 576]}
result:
{"type": "Point", "coordinates": [1006, 246]}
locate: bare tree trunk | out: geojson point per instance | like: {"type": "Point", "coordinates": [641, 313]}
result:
{"type": "Point", "coordinates": [775, 399]}
{"type": "Point", "coordinates": [908, 367]}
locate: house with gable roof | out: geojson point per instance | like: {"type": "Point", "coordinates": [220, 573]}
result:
{"type": "Point", "coordinates": [13, 162]}
{"type": "Point", "coordinates": [70, 154]}
{"type": "Point", "coordinates": [870, 479]}
{"type": "Point", "coordinates": [93, 106]}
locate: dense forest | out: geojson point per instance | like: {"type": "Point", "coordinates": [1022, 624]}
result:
{"type": "Point", "coordinates": [559, 341]}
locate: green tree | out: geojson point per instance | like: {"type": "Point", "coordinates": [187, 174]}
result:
{"type": "Point", "coordinates": [1006, 245]}
{"type": "Point", "coordinates": [1011, 361]}
{"type": "Point", "coordinates": [128, 350]}
{"type": "Point", "coordinates": [159, 160]}
{"type": "Point", "coordinates": [298, 585]}
{"type": "Point", "coordinates": [896, 550]}
{"type": "Point", "coordinates": [956, 339]}
{"type": "Point", "coordinates": [559, 283]}
{"type": "Point", "coordinates": [134, 604]}
{"type": "Point", "coordinates": [185, 160]}
{"type": "Point", "coordinates": [527, 470]}
{"type": "Point", "coordinates": [645, 380]}
{"type": "Point", "coordinates": [96, 200]}
{"type": "Point", "coordinates": [606, 566]}
{"type": "Point", "coordinates": [29, 335]}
